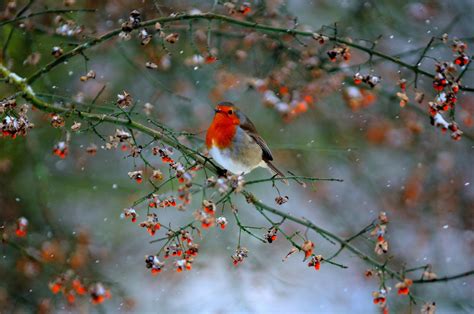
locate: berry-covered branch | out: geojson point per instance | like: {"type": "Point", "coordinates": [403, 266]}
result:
{"type": "Point", "coordinates": [28, 93]}
{"type": "Point", "coordinates": [371, 51]}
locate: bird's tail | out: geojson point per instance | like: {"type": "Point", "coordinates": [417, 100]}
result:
{"type": "Point", "coordinates": [276, 170]}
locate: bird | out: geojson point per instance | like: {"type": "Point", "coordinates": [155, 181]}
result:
{"type": "Point", "coordinates": [234, 143]}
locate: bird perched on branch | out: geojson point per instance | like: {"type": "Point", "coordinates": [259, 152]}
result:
{"type": "Point", "coordinates": [234, 142]}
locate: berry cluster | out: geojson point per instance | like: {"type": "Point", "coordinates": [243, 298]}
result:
{"type": "Point", "coordinates": [280, 200]}
{"type": "Point", "coordinates": [271, 235]}
{"type": "Point", "coordinates": [371, 80]}
{"type": "Point", "coordinates": [307, 247]}
{"type": "Point", "coordinates": [233, 8]}
{"type": "Point", "coordinates": [132, 23]}
{"type": "Point", "coordinates": [13, 122]}
{"type": "Point", "coordinates": [460, 48]}
{"type": "Point", "coordinates": [206, 215]}
{"type": "Point", "coordinates": [57, 51]}
{"type": "Point", "coordinates": [222, 222]}
{"type": "Point", "coordinates": [71, 286]}
{"type": "Point", "coordinates": [339, 52]}
{"type": "Point", "coordinates": [154, 264]}
{"type": "Point", "coordinates": [447, 83]}
{"type": "Point", "coordinates": [151, 224]}
{"type": "Point", "coordinates": [239, 256]}
{"type": "Point", "coordinates": [381, 245]}
{"type": "Point", "coordinates": [404, 286]}
{"type": "Point", "coordinates": [145, 35]}
{"type": "Point", "coordinates": [124, 100]}
{"type": "Point", "coordinates": [129, 213]}
{"type": "Point", "coordinates": [99, 293]}
{"type": "Point", "coordinates": [155, 201]}
{"type": "Point", "coordinates": [315, 261]}
{"type": "Point", "coordinates": [357, 98]}
{"type": "Point", "coordinates": [380, 297]}
{"type": "Point", "coordinates": [61, 149]}
{"type": "Point", "coordinates": [183, 249]}
{"type": "Point", "coordinates": [21, 227]}
{"type": "Point", "coordinates": [57, 121]}
{"type": "Point", "coordinates": [276, 93]}
{"type": "Point", "coordinates": [136, 175]}
{"type": "Point", "coordinates": [67, 27]}
{"type": "Point", "coordinates": [438, 121]}
{"type": "Point", "coordinates": [120, 137]}
{"type": "Point", "coordinates": [165, 153]}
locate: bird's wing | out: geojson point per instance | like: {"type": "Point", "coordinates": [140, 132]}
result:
{"type": "Point", "coordinates": [250, 129]}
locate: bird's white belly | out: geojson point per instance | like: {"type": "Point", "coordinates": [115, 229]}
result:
{"type": "Point", "coordinates": [223, 158]}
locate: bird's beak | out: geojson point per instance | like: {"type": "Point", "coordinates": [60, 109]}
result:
{"type": "Point", "coordinates": [216, 110]}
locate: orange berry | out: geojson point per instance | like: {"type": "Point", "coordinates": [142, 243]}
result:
{"type": "Point", "coordinates": [70, 298]}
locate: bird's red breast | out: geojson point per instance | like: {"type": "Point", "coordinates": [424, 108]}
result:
{"type": "Point", "coordinates": [222, 130]}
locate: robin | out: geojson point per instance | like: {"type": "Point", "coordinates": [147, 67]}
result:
{"type": "Point", "coordinates": [234, 143]}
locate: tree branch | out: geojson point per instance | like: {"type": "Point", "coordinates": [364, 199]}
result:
{"type": "Point", "coordinates": [446, 278]}
{"type": "Point", "coordinates": [27, 92]}
{"type": "Point", "coordinates": [229, 20]}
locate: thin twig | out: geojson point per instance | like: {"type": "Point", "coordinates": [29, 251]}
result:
{"type": "Point", "coordinates": [51, 11]}
{"type": "Point", "coordinates": [446, 278]}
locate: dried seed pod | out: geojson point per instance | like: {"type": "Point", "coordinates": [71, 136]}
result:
{"type": "Point", "coordinates": [145, 37]}
{"type": "Point", "coordinates": [419, 96]}
{"type": "Point", "coordinates": [372, 80]}
{"type": "Point", "coordinates": [429, 308]}
{"type": "Point", "coordinates": [57, 121]}
{"type": "Point", "coordinates": [135, 18]}
{"type": "Point", "coordinates": [90, 75]}
{"type": "Point", "coordinates": [91, 149]}
{"type": "Point", "coordinates": [172, 38]}
{"type": "Point", "coordinates": [127, 26]}
{"type": "Point", "coordinates": [151, 65]}
{"type": "Point", "coordinates": [124, 100]}
{"type": "Point", "coordinates": [280, 200]}
{"type": "Point", "coordinates": [57, 52]}
{"type": "Point", "coordinates": [320, 38]}
{"type": "Point", "coordinates": [444, 38]}
{"type": "Point", "coordinates": [33, 58]}
{"type": "Point", "coordinates": [403, 99]}
{"type": "Point", "coordinates": [76, 126]}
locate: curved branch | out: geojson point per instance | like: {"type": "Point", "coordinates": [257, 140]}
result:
{"type": "Point", "coordinates": [251, 25]}
{"type": "Point", "coordinates": [446, 278]}
{"type": "Point", "coordinates": [296, 178]}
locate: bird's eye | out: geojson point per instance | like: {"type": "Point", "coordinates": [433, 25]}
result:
{"type": "Point", "coordinates": [230, 112]}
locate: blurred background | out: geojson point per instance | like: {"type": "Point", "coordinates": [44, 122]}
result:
{"type": "Point", "coordinates": [390, 158]}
